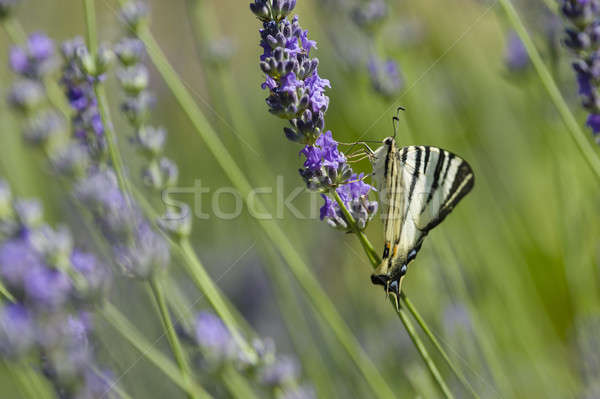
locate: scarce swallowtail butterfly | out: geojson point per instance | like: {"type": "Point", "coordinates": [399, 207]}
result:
{"type": "Point", "coordinates": [418, 187]}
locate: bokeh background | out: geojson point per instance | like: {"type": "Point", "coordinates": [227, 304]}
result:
{"type": "Point", "coordinates": [509, 283]}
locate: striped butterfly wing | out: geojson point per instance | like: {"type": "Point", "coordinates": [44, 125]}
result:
{"type": "Point", "coordinates": [426, 186]}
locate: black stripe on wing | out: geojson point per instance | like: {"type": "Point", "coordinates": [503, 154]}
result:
{"type": "Point", "coordinates": [463, 182]}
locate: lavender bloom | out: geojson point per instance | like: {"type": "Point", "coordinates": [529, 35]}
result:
{"type": "Point", "coordinates": [212, 335]}
{"type": "Point", "coordinates": [46, 288]}
{"type": "Point", "coordinates": [385, 76]}
{"type": "Point", "coordinates": [26, 94]}
{"type": "Point", "coordinates": [41, 128]}
{"type": "Point", "coordinates": [146, 255]}
{"type": "Point", "coordinates": [71, 160]}
{"type": "Point", "coordinates": [325, 167]}
{"type": "Point", "coordinates": [297, 93]}
{"type": "Point", "coordinates": [36, 59]}
{"type": "Point", "coordinates": [79, 90]}
{"type": "Point", "coordinates": [134, 13]}
{"type": "Point", "coordinates": [281, 372]}
{"type": "Point", "coordinates": [96, 274]}
{"type": "Point", "coordinates": [369, 15]}
{"type": "Point", "coordinates": [16, 331]}
{"type": "Point", "coordinates": [130, 51]}
{"type": "Point", "coordinates": [515, 54]}
{"type": "Point", "coordinates": [354, 195]}
{"type": "Point", "coordinates": [16, 259]}
{"type": "Point", "coordinates": [582, 36]}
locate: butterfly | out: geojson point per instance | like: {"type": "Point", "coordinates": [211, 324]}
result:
{"type": "Point", "coordinates": [418, 187]}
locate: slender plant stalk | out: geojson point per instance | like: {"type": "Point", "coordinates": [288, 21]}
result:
{"type": "Point", "coordinates": [124, 327]}
{"type": "Point", "coordinates": [114, 387]}
{"type": "Point", "coordinates": [90, 23]}
{"type": "Point", "coordinates": [408, 304]}
{"type": "Point", "coordinates": [423, 352]}
{"type": "Point", "coordinates": [236, 384]}
{"type": "Point", "coordinates": [14, 30]}
{"type": "Point", "coordinates": [399, 311]}
{"type": "Point", "coordinates": [180, 358]}
{"type": "Point", "coordinates": [103, 108]}
{"type": "Point", "coordinates": [311, 286]}
{"type": "Point", "coordinates": [580, 138]}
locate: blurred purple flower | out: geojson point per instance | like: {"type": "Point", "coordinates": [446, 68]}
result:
{"type": "Point", "coordinates": [280, 372]}
{"type": "Point", "coordinates": [47, 288]}
{"type": "Point", "coordinates": [212, 335]}
{"type": "Point", "coordinates": [16, 330]}
{"type": "Point", "coordinates": [385, 76]}
{"type": "Point", "coordinates": [516, 57]}
{"type": "Point", "coordinates": [17, 259]}
{"type": "Point", "coordinates": [34, 60]}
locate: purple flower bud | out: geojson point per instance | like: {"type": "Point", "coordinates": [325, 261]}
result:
{"type": "Point", "coordinates": [515, 55]}
{"type": "Point", "coordinates": [96, 274]}
{"type": "Point", "coordinates": [212, 335]}
{"type": "Point", "coordinates": [43, 126]}
{"type": "Point", "coordinates": [29, 213]}
{"type": "Point", "coordinates": [282, 371]}
{"type": "Point", "coordinates": [134, 13]}
{"type": "Point", "coordinates": [177, 222]}
{"type": "Point", "coordinates": [385, 76]}
{"type": "Point", "coordinates": [147, 254]}
{"type": "Point", "coordinates": [130, 51]}
{"type": "Point", "coordinates": [47, 288]}
{"type": "Point", "coordinates": [16, 259]}
{"type": "Point", "coordinates": [16, 330]}
{"type": "Point", "coordinates": [134, 78]}
{"type": "Point", "coordinates": [369, 15]}
{"type": "Point", "coordinates": [151, 140]}
{"type": "Point", "coordinates": [18, 60]}
{"type": "Point", "coordinates": [26, 94]}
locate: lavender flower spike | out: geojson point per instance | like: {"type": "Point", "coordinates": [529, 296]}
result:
{"type": "Point", "coordinates": [297, 93]}
{"type": "Point", "coordinates": [582, 36]}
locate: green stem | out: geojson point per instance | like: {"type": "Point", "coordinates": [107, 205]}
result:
{"type": "Point", "coordinates": [423, 352]}
{"type": "Point", "coordinates": [312, 288]}
{"type": "Point", "coordinates": [408, 303]}
{"type": "Point", "coordinates": [109, 134]}
{"type": "Point", "coordinates": [103, 108]}
{"type": "Point", "coordinates": [159, 297]}
{"type": "Point", "coordinates": [113, 387]}
{"type": "Point", "coordinates": [122, 325]}
{"type": "Point", "coordinates": [577, 134]}
{"type": "Point", "coordinates": [15, 31]}
{"type": "Point", "coordinates": [196, 270]}
{"type": "Point", "coordinates": [90, 23]}
{"type": "Point", "coordinates": [236, 384]}
{"type": "Point", "coordinates": [364, 241]}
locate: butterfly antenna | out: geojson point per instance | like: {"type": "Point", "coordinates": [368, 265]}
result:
{"type": "Point", "coordinates": [396, 119]}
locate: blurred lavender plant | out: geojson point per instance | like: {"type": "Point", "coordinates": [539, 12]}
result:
{"type": "Point", "coordinates": [159, 171]}
{"type": "Point", "coordinates": [582, 37]}
{"type": "Point", "coordinates": [297, 93]}
{"type": "Point", "coordinates": [54, 286]}
{"type": "Point", "coordinates": [279, 375]}
{"type": "Point", "coordinates": [515, 54]}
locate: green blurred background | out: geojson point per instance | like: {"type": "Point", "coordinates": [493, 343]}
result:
{"type": "Point", "coordinates": [509, 283]}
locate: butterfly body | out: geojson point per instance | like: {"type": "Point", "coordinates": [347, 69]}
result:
{"type": "Point", "coordinates": [418, 187]}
